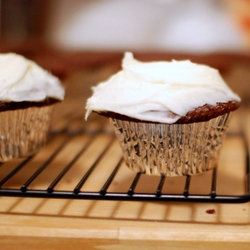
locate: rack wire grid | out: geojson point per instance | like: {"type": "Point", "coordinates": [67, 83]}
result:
{"type": "Point", "coordinates": [18, 178]}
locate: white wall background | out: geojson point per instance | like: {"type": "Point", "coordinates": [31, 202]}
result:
{"type": "Point", "coordinates": [176, 25]}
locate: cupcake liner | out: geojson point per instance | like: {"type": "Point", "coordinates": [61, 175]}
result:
{"type": "Point", "coordinates": [23, 131]}
{"type": "Point", "coordinates": [171, 149]}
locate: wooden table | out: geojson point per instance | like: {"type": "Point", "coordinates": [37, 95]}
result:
{"type": "Point", "coordinates": [43, 223]}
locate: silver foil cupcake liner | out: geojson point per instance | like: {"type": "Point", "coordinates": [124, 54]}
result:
{"type": "Point", "coordinates": [171, 149]}
{"type": "Point", "coordinates": [23, 132]}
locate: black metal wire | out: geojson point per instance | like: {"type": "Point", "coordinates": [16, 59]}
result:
{"type": "Point", "coordinates": [160, 186]}
{"type": "Point", "coordinates": [186, 188]}
{"type": "Point", "coordinates": [88, 173]}
{"type": "Point", "coordinates": [110, 179]}
{"type": "Point", "coordinates": [44, 165]}
{"type": "Point", "coordinates": [14, 171]}
{"type": "Point", "coordinates": [129, 195]}
{"type": "Point", "coordinates": [134, 184]}
{"type": "Point", "coordinates": [213, 185]}
{"type": "Point", "coordinates": [247, 159]}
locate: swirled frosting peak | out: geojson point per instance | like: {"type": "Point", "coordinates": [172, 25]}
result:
{"type": "Point", "coordinates": [23, 80]}
{"type": "Point", "coordinates": [154, 91]}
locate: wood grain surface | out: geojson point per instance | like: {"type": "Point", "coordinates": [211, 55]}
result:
{"type": "Point", "coordinates": [38, 223]}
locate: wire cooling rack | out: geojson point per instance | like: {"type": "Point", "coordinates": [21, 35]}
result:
{"type": "Point", "coordinates": [18, 178]}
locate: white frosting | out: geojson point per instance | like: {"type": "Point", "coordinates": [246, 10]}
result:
{"type": "Point", "coordinates": [153, 91]}
{"type": "Point", "coordinates": [23, 80]}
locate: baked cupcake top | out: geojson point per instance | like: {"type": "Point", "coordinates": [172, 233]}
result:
{"type": "Point", "coordinates": [160, 91]}
{"type": "Point", "coordinates": [22, 80]}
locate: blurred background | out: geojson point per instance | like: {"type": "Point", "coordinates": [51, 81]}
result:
{"type": "Point", "coordinates": [176, 25]}
{"type": "Point", "coordinates": [62, 34]}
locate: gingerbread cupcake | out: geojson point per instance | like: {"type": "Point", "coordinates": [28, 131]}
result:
{"type": "Point", "coordinates": [27, 97]}
{"type": "Point", "coordinates": [170, 117]}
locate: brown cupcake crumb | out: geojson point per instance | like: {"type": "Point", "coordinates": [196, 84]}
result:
{"type": "Point", "coordinates": [200, 114]}
{"type": "Point", "coordinates": [210, 211]}
{"type": "Point", "coordinates": [207, 112]}
{"type": "Point", "coordinates": [5, 106]}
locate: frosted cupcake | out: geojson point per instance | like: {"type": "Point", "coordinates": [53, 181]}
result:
{"type": "Point", "coordinates": [170, 117]}
{"type": "Point", "coordinates": [27, 96]}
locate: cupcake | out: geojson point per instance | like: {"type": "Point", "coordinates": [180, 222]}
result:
{"type": "Point", "coordinates": [27, 97]}
{"type": "Point", "coordinates": [170, 117]}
